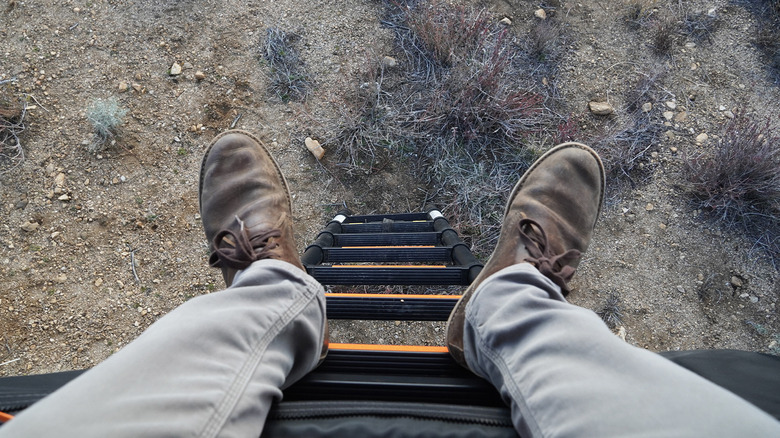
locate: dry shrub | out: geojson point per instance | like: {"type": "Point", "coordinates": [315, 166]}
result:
{"type": "Point", "coordinates": [737, 182]}
{"type": "Point", "coordinates": [12, 113]}
{"type": "Point", "coordinates": [463, 108]}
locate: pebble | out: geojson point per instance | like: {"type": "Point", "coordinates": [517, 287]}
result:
{"type": "Point", "coordinates": [175, 69]}
{"type": "Point", "coordinates": [668, 115]}
{"type": "Point", "coordinates": [647, 107]}
{"type": "Point", "coordinates": [59, 180]}
{"type": "Point", "coordinates": [600, 108]}
{"type": "Point", "coordinates": [199, 75]}
{"type": "Point", "coordinates": [701, 138]}
{"type": "Point", "coordinates": [123, 87]}
{"type": "Point", "coordinates": [662, 226]}
{"type": "Point", "coordinates": [649, 207]}
{"type": "Point", "coordinates": [98, 282]}
{"type": "Point", "coordinates": [187, 66]}
{"type": "Point", "coordinates": [721, 108]}
{"type": "Point", "coordinates": [29, 227]}
{"type": "Point", "coordinates": [671, 104]}
{"type": "Point", "coordinates": [681, 116]}
{"type": "Point", "coordinates": [389, 62]}
{"type": "Point", "coordinates": [137, 87]}
{"type": "Point", "coordinates": [728, 114]}
{"type": "Point", "coordinates": [314, 147]}
{"type": "Point", "coordinates": [681, 289]}
{"type": "Point", "coordinates": [673, 150]}
{"type": "Point", "coordinates": [690, 45]}
{"type": "Point", "coordinates": [64, 197]}
{"type": "Point", "coordinates": [736, 281]}
{"type": "Point", "coordinates": [753, 299]}
{"type": "Point", "coordinates": [669, 135]}
{"type": "Point", "coordinates": [62, 278]}
{"type": "Point", "coordinates": [506, 21]}
{"type": "Point", "coordinates": [540, 13]}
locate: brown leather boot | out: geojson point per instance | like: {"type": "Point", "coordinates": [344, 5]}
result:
{"type": "Point", "coordinates": [244, 205]}
{"type": "Point", "coordinates": [548, 222]}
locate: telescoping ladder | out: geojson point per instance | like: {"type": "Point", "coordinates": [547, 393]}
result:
{"type": "Point", "coordinates": [391, 249]}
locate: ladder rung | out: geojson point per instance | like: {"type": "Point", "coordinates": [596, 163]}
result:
{"type": "Point", "coordinates": [387, 254]}
{"type": "Point", "coordinates": [358, 374]}
{"type": "Point", "coordinates": [381, 217]}
{"type": "Point", "coordinates": [390, 307]}
{"type": "Point", "coordinates": [448, 275]}
{"type": "Point", "coordinates": [388, 227]}
{"type": "Point", "coordinates": [379, 239]}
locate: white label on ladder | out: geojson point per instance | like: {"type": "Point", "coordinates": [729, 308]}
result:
{"type": "Point", "coordinates": [435, 214]}
{"type": "Point", "coordinates": [339, 218]}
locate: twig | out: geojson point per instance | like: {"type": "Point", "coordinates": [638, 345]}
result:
{"type": "Point", "coordinates": [36, 101]}
{"type": "Point", "coordinates": [132, 266]}
{"type": "Point", "coordinates": [5, 81]}
{"type": "Point", "coordinates": [10, 361]}
{"type": "Point", "coordinates": [73, 27]}
{"type": "Point", "coordinates": [238, 117]}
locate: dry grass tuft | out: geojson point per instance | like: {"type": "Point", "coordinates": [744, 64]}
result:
{"type": "Point", "coordinates": [288, 77]}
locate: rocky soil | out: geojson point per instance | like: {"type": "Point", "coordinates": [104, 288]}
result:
{"type": "Point", "coordinates": [95, 247]}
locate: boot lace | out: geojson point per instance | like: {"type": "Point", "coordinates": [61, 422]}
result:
{"type": "Point", "coordinates": [555, 267]}
{"type": "Point", "coordinates": [241, 249]}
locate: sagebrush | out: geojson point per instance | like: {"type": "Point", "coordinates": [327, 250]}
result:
{"type": "Point", "coordinates": [106, 116]}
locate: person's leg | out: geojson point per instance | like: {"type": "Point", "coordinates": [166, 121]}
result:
{"type": "Point", "coordinates": [565, 374]}
{"type": "Point", "coordinates": [557, 365]}
{"type": "Point", "coordinates": [211, 367]}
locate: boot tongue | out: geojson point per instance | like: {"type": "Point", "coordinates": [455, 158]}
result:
{"type": "Point", "coordinates": [556, 267]}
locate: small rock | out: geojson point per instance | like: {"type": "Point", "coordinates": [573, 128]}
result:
{"type": "Point", "coordinates": [175, 69]}
{"type": "Point", "coordinates": [721, 108]}
{"type": "Point", "coordinates": [98, 282]}
{"type": "Point", "coordinates": [681, 116]}
{"type": "Point", "coordinates": [123, 87]}
{"type": "Point", "coordinates": [728, 114]}
{"type": "Point", "coordinates": [690, 45]}
{"type": "Point", "coordinates": [736, 281]}
{"type": "Point", "coordinates": [59, 180]}
{"type": "Point", "coordinates": [701, 138]}
{"type": "Point", "coordinates": [662, 226]}
{"type": "Point", "coordinates": [649, 207]}
{"type": "Point", "coordinates": [29, 227]}
{"type": "Point", "coordinates": [647, 107]}
{"type": "Point", "coordinates": [314, 147]}
{"type": "Point", "coordinates": [389, 62]}
{"type": "Point", "coordinates": [681, 289]}
{"type": "Point", "coordinates": [669, 135]}
{"type": "Point", "coordinates": [540, 13]}
{"type": "Point", "coordinates": [600, 108]}
{"type": "Point", "coordinates": [115, 181]}
{"type": "Point", "coordinates": [671, 104]}
{"type": "Point", "coordinates": [21, 205]}
{"type": "Point", "coordinates": [187, 66]}
{"type": "Point", "coordinates": [199, 75]}
{"type": "Point", "coordinates": [62, 278]}
{"type": "Point", "coordinates": [668, 115]}
{"type": "Point", "coordinates": [137, 87]}
{"type": "Point", "coordinates": [673, 150]}
{"type": "Point", "coordinates": [753, 299]}
{"type": "Point", "coordinates": [621, 333]}
{"type": "Point", "coordinates": [138, 76]}
{"type": "Point", "coordinates": [64, 197]}
{"type": "Point", "coordinates": [506, 21]}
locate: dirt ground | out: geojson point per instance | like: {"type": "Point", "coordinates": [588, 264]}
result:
{"type": "Point", "coordinates": [112, 242]}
